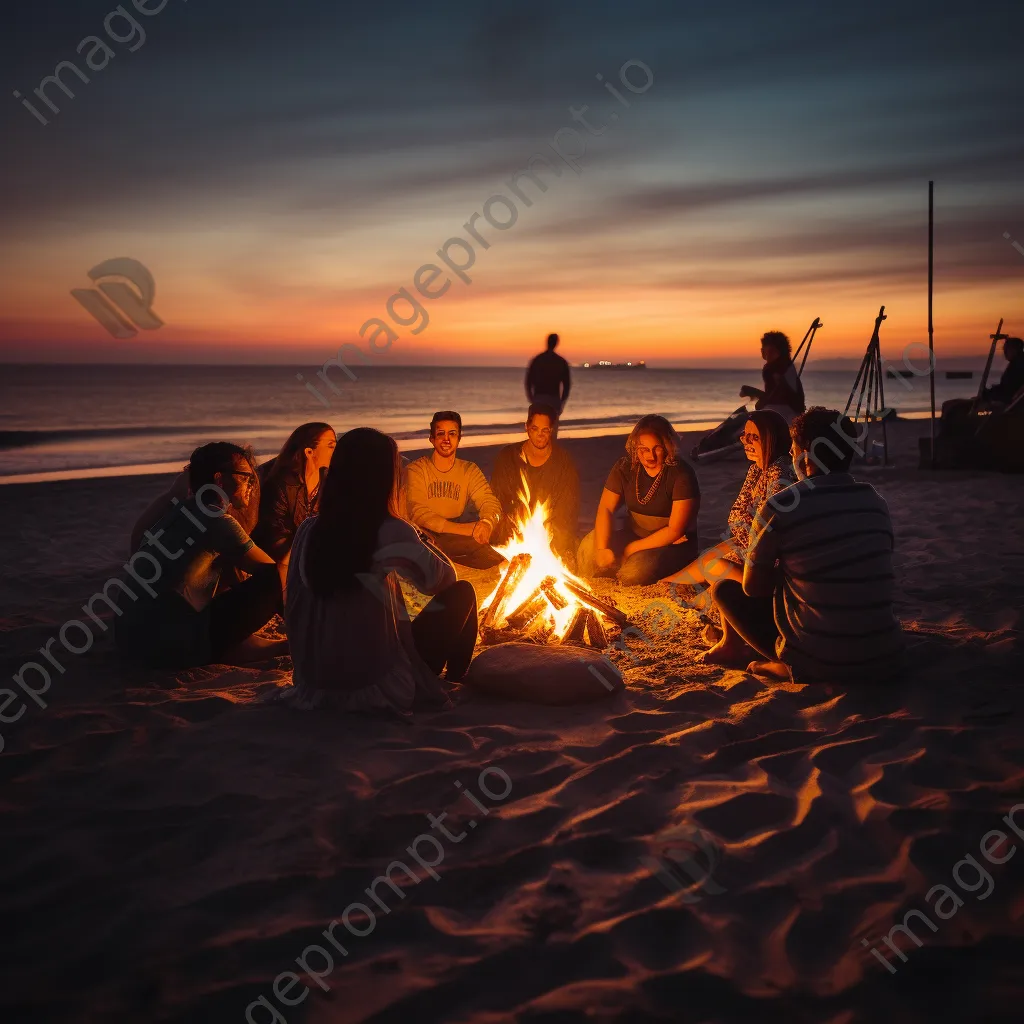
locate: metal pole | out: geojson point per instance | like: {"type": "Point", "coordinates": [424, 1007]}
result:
{"type": "Point", "coordinates": [931, 326]}
{"type": "Point", "coordinates": [881, 404]}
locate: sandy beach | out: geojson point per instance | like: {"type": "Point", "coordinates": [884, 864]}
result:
{"type": "Point", "coordinates": [171, 845]}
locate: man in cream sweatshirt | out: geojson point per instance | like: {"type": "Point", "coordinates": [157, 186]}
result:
{"type": "Point", "coordinates": [438, 488]}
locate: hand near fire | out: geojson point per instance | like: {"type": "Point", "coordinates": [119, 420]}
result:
{"type": "Point", "coordinates": [604, 557]}
{"type": "Point", "coordinates": [748, 392]}
{"type": "Point", "coordinates": [482, 531]}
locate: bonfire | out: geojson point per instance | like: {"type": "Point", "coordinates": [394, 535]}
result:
{"type": "Point", "coordinates": [537, 599]}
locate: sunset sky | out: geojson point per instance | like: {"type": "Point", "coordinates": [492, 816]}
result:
{"type": "Point", "coordinates": [283, 169]}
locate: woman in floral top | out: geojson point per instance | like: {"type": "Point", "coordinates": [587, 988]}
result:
{"type": "Point", "coordinates": [765, 440]}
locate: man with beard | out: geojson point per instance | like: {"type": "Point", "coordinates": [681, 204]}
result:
{"type": "Point", "coordinates": [438, 488]}
{"type": "Point", "coordinates": [542, 470]}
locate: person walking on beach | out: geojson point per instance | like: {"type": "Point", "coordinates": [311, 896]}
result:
{"type": "Point", "coordinates": [189, 619]}
{"type": "Point", "coordinates": [662, 498]}
{"type": "Point", "coordinates": [352, 642]}
{"type": "Point", "coordinates": [438, 488]}
{"type": "Point", "coordinates": [544, 470]}
{"type": "Point", "coordinates": [548, 379]}
{"type": "Point", "coordinates": [826, 612]}
{"type": "Point", "coordinates": [783, 393]}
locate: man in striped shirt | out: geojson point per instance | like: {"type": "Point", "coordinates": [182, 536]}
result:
{"type": "Point", "coordinates": [817, 591]}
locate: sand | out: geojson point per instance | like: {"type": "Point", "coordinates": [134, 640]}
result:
{"type": "Point", "coordinates": [171, 845]}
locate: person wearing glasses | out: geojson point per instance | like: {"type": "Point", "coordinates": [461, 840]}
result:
{"type": "Point", "coordinates": [662, 499]}
{"type": "Point", "coordinates": [766, 442]}
{"type": "Point", "coordinates": [540, 470]}
{"type": "Point", "coordinates": [816, 600]}
{"type": "Point", "coordinates": [185, 618]}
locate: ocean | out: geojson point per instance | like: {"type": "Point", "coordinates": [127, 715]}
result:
{"type": "Point", "coordinates": [65, 421]}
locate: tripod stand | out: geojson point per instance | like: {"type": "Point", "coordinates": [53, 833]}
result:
{"type": "Point", "coordinates": [869, 389]}
{"type": "Point", "coordinates": [808, 342]}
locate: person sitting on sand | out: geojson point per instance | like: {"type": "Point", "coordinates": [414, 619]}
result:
{"type": "Point", "coordinates": [352, 643]}
{"type": "Point", "coordinates": [783, 393]}
{"type": "Point", "coordinates": [542, 471]}
{"type": "Point", "coordinates": [438, 488]}
{"type": "Point", "coordinates": [158, 508]}
{"type": "Point", "coordinates": [548, 379]}
{"type": "Point", "coordinates": [955, 410]}
{"type": "Point", "coordinates": [766, 442]}
{"type": "Point", "coordinates": [662, 498]}
{"type": "Point", "coordinates": [825, 613]}
{"type": "Point", "coordinates": [290, 486]}
{"type": "Point", "coordinates": [190, 621]}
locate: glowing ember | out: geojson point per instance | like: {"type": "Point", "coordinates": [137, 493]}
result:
{"type": "Point", "coordinates": [537, 595]}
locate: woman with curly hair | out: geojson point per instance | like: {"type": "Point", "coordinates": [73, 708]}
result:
{"type": "Point", "coordinates": [765, 441]}
{"type": "Point", "coordinates": [662, 498]}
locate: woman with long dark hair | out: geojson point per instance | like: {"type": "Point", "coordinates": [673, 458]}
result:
{"type": "Point", "coordinates": [291, 484]}
{"type": "Point", "coordinates": [352, 643]}
{"type": "Point", "coordinates": [662, 497]}
{"type": "Point", "coordinates": [765, 441]}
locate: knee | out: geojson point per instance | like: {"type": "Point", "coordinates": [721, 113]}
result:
{"type": "Point", "coordinates": [463, 594]}
{"type": "Point", "coordinates": [723, 590]}
{"type": "Point", "coordinates": [637, 571]}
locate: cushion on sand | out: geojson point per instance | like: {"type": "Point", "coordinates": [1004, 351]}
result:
{"type": "Point", "coordinates": [543, 675]}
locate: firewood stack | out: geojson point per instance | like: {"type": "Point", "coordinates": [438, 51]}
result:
{"type": "Point", "coordinates": [530, 621]}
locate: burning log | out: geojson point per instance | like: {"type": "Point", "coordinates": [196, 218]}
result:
{"type": "Point", "coordinates": [596, 603]}
{"type": "Point", "coordinates": [513, 574]}
{"type": "Point", "coordinates": [574, 634]}
{"type": "Point", "coordinates": [595, 631]}
{"type": "Point", "coordinates": [548, 586]}
{"type": "Point", "coordinates": [542, 632]}
{"type": "Point", "coordinates": [528, 610]}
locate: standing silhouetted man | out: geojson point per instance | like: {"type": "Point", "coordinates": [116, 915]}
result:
{"type": "Point", "coordinates": [547, 378]}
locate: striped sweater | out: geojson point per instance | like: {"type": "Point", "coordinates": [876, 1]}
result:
{"type": "Point", "coordinates": [832, 539]}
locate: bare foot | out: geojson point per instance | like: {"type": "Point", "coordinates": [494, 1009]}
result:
{"type": "Point", "coordinates": [772, 671]}
{"type": "Point", "coordinates": [711, 634]}
{"type": "Point", "coordinates": [255, 648]}
{"type": "Point", "coordinates": [725, 653]}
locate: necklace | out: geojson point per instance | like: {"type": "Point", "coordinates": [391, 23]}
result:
{"type": "Point", "coordinates": [654, 486]}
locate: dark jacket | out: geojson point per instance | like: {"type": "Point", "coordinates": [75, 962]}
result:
{"type": "Point", "coordinates": [284, 504]}
{"type": "Point", "coordinates": [556, 482]}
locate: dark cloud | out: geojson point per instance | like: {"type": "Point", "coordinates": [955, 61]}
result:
{"type": "Point", "coordinates": [333, 114]}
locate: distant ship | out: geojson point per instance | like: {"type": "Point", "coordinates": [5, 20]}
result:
{"type": "Point", "coordinates": [604, 364]}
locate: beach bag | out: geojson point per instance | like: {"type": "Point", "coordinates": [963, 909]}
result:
{"type": "Point", "coordinates": [543, 674]}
